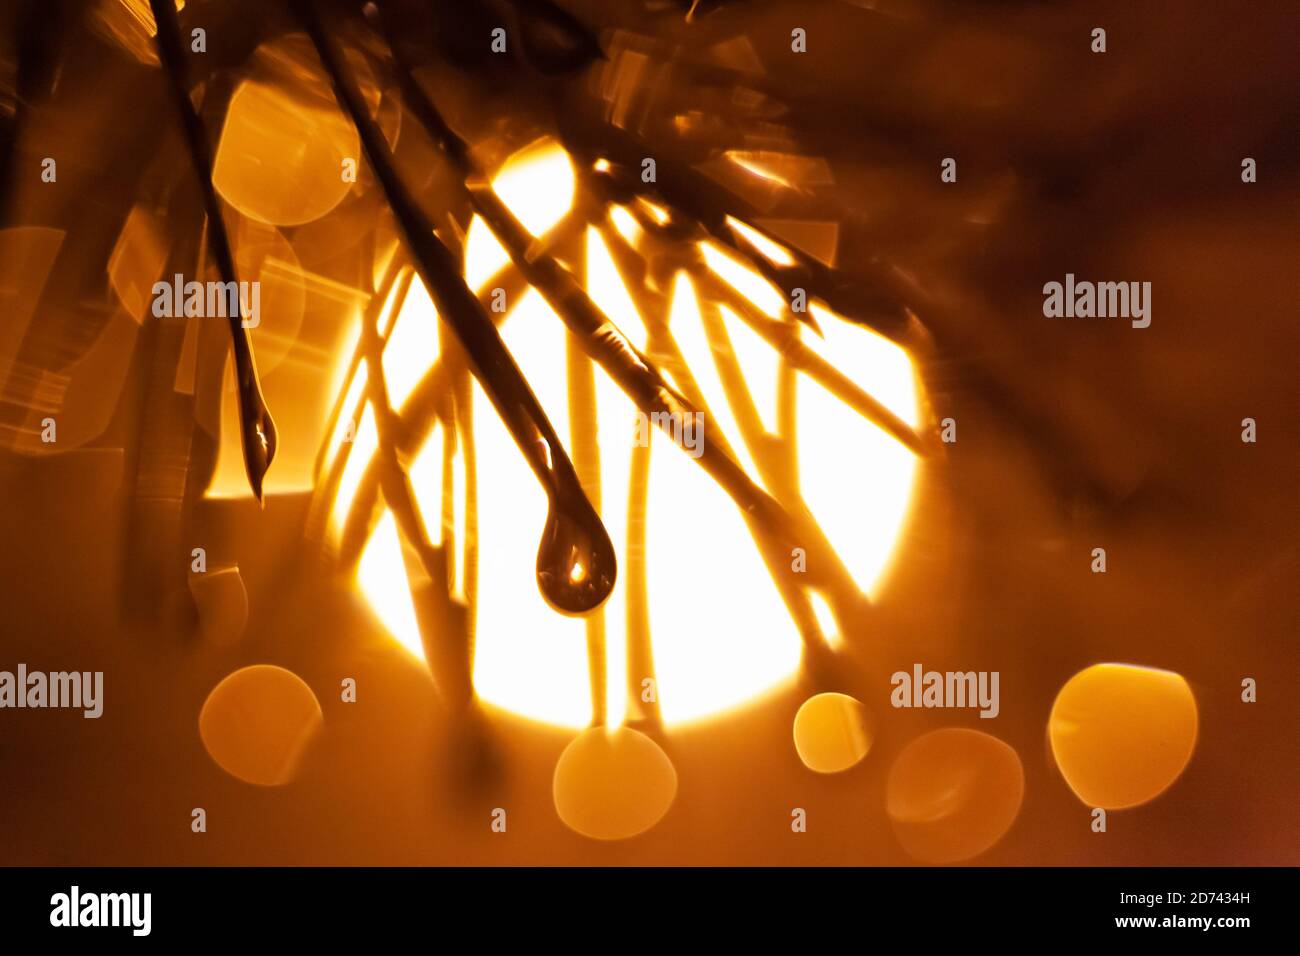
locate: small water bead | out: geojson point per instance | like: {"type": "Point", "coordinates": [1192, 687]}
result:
{"type": "Point", "coordinates": [576, 563]}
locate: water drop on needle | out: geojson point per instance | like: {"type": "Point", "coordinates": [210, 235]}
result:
{"type": "Point", "coordinates": [576, 565]}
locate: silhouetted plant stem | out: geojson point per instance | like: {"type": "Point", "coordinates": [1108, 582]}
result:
{"type": "Point", "coordinates": [576, 564]}
{"type": "Point", "coordinates": [776, 531]}
{"type": "Point", "coordinates": [257, 430]}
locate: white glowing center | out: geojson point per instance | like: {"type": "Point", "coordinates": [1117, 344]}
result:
{"type": "Point", "coordinates": [721, 634]}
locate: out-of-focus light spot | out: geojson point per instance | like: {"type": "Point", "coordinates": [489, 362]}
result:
{"type": "Point", "coordinates": [1122, 734]}
{"type": "Point", "coordinates": [280, 156]}
{"type": "Point", "coordinates": [831, 732]}
{"type": "Point", "coordinates": [258, 723]}
{"type": "Point", "coordinates": [611, 784]}
{"type": "Point", "coordinates": [953, 793]}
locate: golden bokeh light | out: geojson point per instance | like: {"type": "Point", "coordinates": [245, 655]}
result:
{"type": "Point", "coordinates": [831, 732]}
{"type": "Point", "coordinates": [613, 784]}
{"type": "Point", "coordinates": [1122, 734]}
{"type": "Point", "coordinates": [258, 723]}
{"type": "Point", "coordinates": [281, 156]}
{"type": "Point", "coordinates": [953, 793]}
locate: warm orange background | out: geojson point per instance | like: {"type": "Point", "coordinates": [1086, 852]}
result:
{"type": "Point", "coordinates": [1122, 166]}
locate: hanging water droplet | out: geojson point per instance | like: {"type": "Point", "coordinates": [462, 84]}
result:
{"type": "Point", "coordinates": [576, 564]}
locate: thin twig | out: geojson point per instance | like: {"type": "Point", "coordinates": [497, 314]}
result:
{"type": "Point", "coordinates": [576, 564]}
{"type": "Point", "coordinates": [418, 412]}
{"type": "Point", "coordinates": [257, 430]}
{"type": "Point", "coordinates": [602, 340]}
{"type": "Point", "coordinates": [706, 205]}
